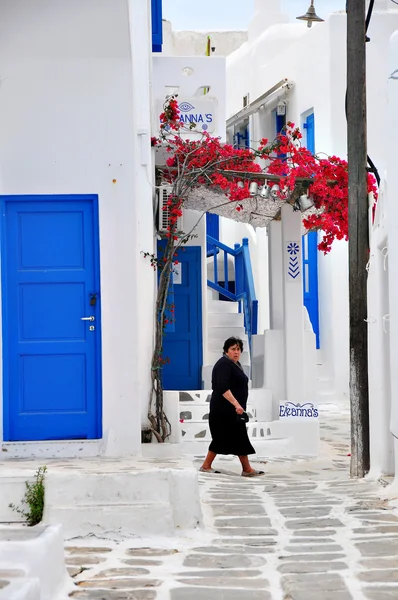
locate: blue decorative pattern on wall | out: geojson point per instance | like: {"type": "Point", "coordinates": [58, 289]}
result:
{"type": "Point", "coordinates": [293, 268]}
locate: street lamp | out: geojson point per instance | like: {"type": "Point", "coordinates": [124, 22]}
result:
{"type": "Point", "coordinates": [310, 16]}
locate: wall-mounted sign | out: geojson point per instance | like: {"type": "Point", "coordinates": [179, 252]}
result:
{"type": "Point", "coordinates": [289, 409]}
{"type": "Point", "coordinates": [200, 112]}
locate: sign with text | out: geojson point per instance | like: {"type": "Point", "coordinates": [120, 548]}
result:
{"type": "Point", "coordinates": [306, 411]}
{"type": "Point", "coordinates": [198, 112]}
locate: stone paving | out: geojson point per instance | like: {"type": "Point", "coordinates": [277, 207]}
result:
{"type": "Point", "coordinates": [305, 531]}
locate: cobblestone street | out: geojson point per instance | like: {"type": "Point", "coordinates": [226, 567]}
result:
{"type": "Point", "coordinates": [305, 531]}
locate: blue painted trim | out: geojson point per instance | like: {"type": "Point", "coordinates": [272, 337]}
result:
{"type": "Point", "coordinates": [212, 230]}
{"type": "Point", "coordinates": [221, 290]}
{"type": "Point", "coordinates": [157, 26]}
{"type": "Point", "coordinates": [248, 268]}
{"type": "Point", "coordinates": [4, 309]}
{"type": "Point", "coordinates": [222, 246]}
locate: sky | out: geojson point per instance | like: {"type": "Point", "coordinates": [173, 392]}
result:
{"type": "Point", "coordinates": [233, 14]}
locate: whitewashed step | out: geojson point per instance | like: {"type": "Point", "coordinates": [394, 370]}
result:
{"type": "Point", "coordinates": [38, 552]}
{"type": "Point", "coordinates": [21, 589]}
{"type": "Point", "coordinates": [116, 500]}
{"type": "Point", "coordinates": [218, 306]}
{"type": "Point", "coordinates": [230, 320]}
{"type": "Point", "coordinates": [224, 332]}
{"type": "Point", "coordinates": [115, 521]}
{"type": "Point", "coordinates": [101, 487]}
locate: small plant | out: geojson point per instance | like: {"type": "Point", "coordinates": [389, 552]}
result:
{"type": "Point", "coordinates": [33, 499]}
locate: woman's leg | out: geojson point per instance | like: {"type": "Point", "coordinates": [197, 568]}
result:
{"type": "Point", "coordinates": [246, 466]}
{"type": "Point", "coordinates": [209, 460]}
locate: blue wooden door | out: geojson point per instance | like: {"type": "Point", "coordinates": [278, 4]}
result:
{"type": "Point", "coordinates": [50, 282]}
{"type": "Point", "coordinates": [183, 346]}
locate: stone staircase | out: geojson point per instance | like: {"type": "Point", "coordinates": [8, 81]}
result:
{"type": "Point", "coordinates": [223, 321]}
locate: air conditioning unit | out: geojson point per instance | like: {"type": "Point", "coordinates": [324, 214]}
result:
{"type": "Point", "coordinates": [164, 213]}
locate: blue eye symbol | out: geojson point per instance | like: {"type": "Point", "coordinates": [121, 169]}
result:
{"type": "Point", "coordinates": [185, 106]}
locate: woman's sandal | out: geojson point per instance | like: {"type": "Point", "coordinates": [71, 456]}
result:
{"type": "Point", "coordinates": [202, 470]}
{"type": "Point", "coordinates": [253, 474]}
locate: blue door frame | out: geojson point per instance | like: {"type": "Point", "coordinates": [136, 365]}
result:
{"type": "Point", "coordinates": [50, 277]}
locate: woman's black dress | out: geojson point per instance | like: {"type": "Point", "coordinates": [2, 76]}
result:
{"type": "Point", "coordinates": [229, 436]}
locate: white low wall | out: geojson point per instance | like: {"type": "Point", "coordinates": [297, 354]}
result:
{"type": "Point", "coordinates": [39, 552]}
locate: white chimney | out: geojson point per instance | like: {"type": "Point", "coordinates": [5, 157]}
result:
{"type": "Point", "coordinates": [266, 14]}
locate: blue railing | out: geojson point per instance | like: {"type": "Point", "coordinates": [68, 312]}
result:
{"type": "Point", "coordinates": [243, 290]}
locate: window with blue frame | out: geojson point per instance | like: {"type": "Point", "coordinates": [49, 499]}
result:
{"type": "Point", "coordinates": [242, 138]}
{"type": "Point", "coordinates": [157, 27]}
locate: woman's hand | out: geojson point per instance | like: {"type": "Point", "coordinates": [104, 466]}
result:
{"type": "Point", "coordinates": [239, 409]}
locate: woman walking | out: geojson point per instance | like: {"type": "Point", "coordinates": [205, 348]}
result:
{"type": "Point", "coordinates": [227, 419]}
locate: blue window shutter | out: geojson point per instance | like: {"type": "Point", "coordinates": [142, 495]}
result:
{"type": "Point", "coordinates": [310, 129]}
{"type": "Point", "coordinates": [157, 30]}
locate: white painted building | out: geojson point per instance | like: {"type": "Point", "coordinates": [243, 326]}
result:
{"type": "Point", "coordinates": [79, 209]}
{"type": "Point", "coordinates": [306, 70]}
{"type": "Point", "coordinates": [194, 43]}
{"type": "Point", "coordinates": [76, 185]}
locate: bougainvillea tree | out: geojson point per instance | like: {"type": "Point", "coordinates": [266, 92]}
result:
{"type": "Point", "coordinates": [202, 160]}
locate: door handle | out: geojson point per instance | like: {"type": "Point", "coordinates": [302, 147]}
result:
{"type": "Point", "coordinates": [88, 318]}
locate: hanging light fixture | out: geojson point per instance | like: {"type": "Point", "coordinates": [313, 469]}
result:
{"type": "Point", "coordinates": [253, 189]}
{"type": "Point", "coordinates": [311, 16]}
{"type": "Point", "coordinates": [275, 192]}
{"type": "Point", "coordinates": [305, 202]}
{"type": "Point", "coordinates": [265, 191]}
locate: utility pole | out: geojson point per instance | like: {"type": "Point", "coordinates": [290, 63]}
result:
{"type": "Point", "coordinates": [358, 235]}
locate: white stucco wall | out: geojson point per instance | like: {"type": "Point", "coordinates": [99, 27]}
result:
{"type": "Point", "coordinates": [74, 96]}
{"type": "Point", "coordinates": [194, 43]}
{"type": "Point", "coordinates": [315, 61]}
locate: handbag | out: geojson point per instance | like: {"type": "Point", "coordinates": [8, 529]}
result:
{"type": "Point", "coordinates": [243, 418]}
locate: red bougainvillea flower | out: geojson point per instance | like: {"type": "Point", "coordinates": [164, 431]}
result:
{"type": "Point", "coordinates": [207, 161]}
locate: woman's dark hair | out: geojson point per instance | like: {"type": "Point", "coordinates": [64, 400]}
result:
{"type": "Point", "coordinates": [233, 341]}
